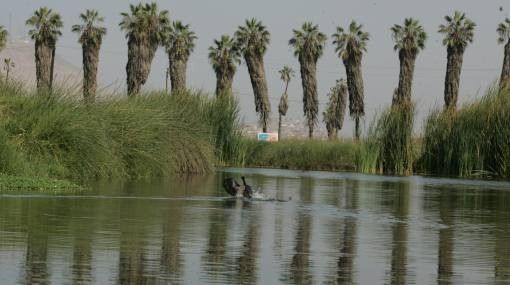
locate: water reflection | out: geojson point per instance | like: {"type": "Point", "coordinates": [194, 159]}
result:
{"type": "Point", "coordinates": [338, 229]}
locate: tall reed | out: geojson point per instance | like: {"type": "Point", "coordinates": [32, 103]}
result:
{"type": "Point", "coordinates": [471, 142]}
{"type": "Point", "coordinates": [56, 135]}
{"type": "Point", "coordinates": [388, 147]}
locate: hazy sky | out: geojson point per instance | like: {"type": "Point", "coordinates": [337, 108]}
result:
{"type": "Point", "coordinates": [209, 19]}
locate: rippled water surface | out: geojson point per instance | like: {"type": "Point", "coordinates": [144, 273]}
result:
{"type": "Point", "coordinates": [337, 229]}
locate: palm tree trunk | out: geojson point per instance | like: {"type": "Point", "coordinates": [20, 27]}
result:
{"type": "Point", "coordinates": [140, 55]}
{"type": "Point", "coordinates": [452, 79]}
{"type": "Point", "coordinates": [52, 69]}
{"type": "Point", "coordinates": [357, 131]}
{"type": "Point", "coordinates": [177, 73]}
{"type": "Point", "coordinates": [310, 97]}
{"type": "Point", "coordinates": [279, 126]}
{"type": "Point", "coordinates": [259, 84]}
{"type": "Point", "coordinates": [505, 72]}
{"type": "Point", "coordinates": [43, 55]}
{"type": "Point", "coordinates": [356, 89]}
{"type": "Point", "coordinates": [405, 80]}
{"type": "Point", "coordinates": [224, 79]}
{"type": "Point", "coordinates": [90, 63]}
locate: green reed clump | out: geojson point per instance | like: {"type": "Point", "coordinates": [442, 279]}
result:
{"type": "Point", "coordinates": [470, 142]}
{"type": "Point", "coordinates": [300, 154]}
{"type": "Point", "coordinates": [388, 147]}
{"type": "Point", "coordinates": [57, 135]}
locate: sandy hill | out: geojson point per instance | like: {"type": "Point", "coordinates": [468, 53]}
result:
{"type": "Point", "coordinates": [22, 53]}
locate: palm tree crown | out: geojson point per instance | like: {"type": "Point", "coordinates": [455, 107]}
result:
{"type": "Point", "coordinates": [458, 31]}
{"type": "Point", "coordinates": [45, 25]}
{"type": "Point", "coordinates": [145, 20]}
{"type": "Point", "coordinates": [354, 40]}
{"type": "Point", "coordinates": [253, 37]}
{"type": "Point", "coordinates": [410, 36]}
{"type": "Point", "coordinates": [3, 37]}
{"type": "Point", "coordinates": [308, 41]}
{"type": "Point", "coordinates": [286, 73]}
{"type": "Point", "coordinates": [90, 29]}
{"type": "Point", "coordinates": [180, 39]}
{"type": "Point", "coordinates": [224, 52]}
{"type": "Point", "coordinates": [504, 31]}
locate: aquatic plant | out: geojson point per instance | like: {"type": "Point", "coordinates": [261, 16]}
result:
{"type": "Point", "coordinates": [154, 135]}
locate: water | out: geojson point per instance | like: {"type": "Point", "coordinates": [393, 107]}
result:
{"type": "Point", "coordinates": [337, 229]}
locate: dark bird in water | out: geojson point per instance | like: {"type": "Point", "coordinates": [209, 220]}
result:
{"type": "Point", "coordinates": [247, 193]}
{"type": "Point", "coordinates": [237, 190]}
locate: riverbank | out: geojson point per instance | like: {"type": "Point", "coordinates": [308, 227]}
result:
{"type": "Point", "coordinates": [57, 136]}
{"type": "Point", "coordinates": [20, 184]}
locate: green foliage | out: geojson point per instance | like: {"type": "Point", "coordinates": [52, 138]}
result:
{"type": "Point", "coordinates": [154, 135]}
{"type": "Point", "coordinates": [91, 29]}
{"type": "Point", "coordinates": [17, 184]}
{"type": "Point", "coordinates": [411, 36]}
{"type": "Point", "coordinates": [46, 25]}
{"type": "Point", "coordinates": [308, 42]}
{"type": "Point", "coordinates": [388, 148]}
{"type": "Point", "coordinates": [252, 38]}
{"type": "Point", "coordinates": [471, 142]}
{"type": "Point", "coordinates": [458, 31]}
{"type": "Point", "coordinates": [179, 40]}
{"type": "Point", "coordinates": [3, 37]}
{"type": "Point", "coordinates": [300, 154]}
{"type": "Point", "coordinates": [351, 42]}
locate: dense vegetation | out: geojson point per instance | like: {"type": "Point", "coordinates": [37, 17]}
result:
{"type": "Point", "coordinates": [154, 135]}
{"type": "Point", "coordinates": [299, 154]}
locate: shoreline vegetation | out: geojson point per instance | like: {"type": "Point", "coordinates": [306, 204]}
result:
{"type": "Point", "coordinates": [59, 139]}
{"type": "Point", "coordinates": [58, 133]}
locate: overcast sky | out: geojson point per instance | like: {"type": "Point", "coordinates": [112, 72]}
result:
{"type": "Point", "coordinates": [209, 19]}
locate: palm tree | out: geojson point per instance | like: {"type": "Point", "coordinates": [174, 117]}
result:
{"type": "Point", "coordinates": [253, 39]}
{"type": "Point", "coordinates": [224, 57]}
{"type": "Point", "coordinates": [91, 36]}
{"type": "Point", "coordinates": [335, 112]}
{"type": "Point", "coordinates": [286, 74]}
{"type": "Point", "coordinates": [409, 40]}
{"type": "Point", "coordinates": [45, 31]}
{"type": "Point", "coordinates": [308, 44]}
{"type": "Point", "coordinates": [179, 45]}
{"type": "Point", "coordinates": [144, 27]}
{"type": "Point", "coordinates": [350, 46]}
{"type": "Point", "coordinates": [458, 34]}
{"type": "Point", "coordinates": [3, 37]}
{"type": "Point", "coordinates": [504, 37]}
{"type": "Point", "coordinates": [8, 66]}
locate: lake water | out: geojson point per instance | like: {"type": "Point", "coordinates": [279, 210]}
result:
{"type": "Point", "coordinates": [339, 228]}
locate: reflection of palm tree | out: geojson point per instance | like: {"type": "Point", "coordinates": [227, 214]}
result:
{"type": "Point", "coordinates": [216, 258]}
{"type": "Point", "coordinates": [399, 250]}
{"type": "Point", "coordinates": [502, 248]}
{"type": "Point", "coordinates": [446, 235]}
{"type": "Point", "coordinates": [131, 254]}
{"type": "Point", "coordinates": [248, 260]}
{"type": "Point", "coordinates": [171, 260]}
{"type": "Point", "coordinates": [82, 254]}
{"type": "Point", "coordinates": [300, 263]}
{"type": "Point", "coordinates": [348, 246]}
{"type": "Point", "coordinates": [36, 271]}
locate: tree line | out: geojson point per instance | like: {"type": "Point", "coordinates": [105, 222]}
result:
{"type": "Point", "coordinates": [147, 28]}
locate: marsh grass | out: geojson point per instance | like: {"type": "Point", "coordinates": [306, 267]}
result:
{"type": "Point", "coordinates": [388, 147]}
{"type": "Point", "coordinates": [57, 135]}
{"type": "Point", "coordinates": [471, 142]}
{"type": "Point", "coordinates": [300, 154]}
